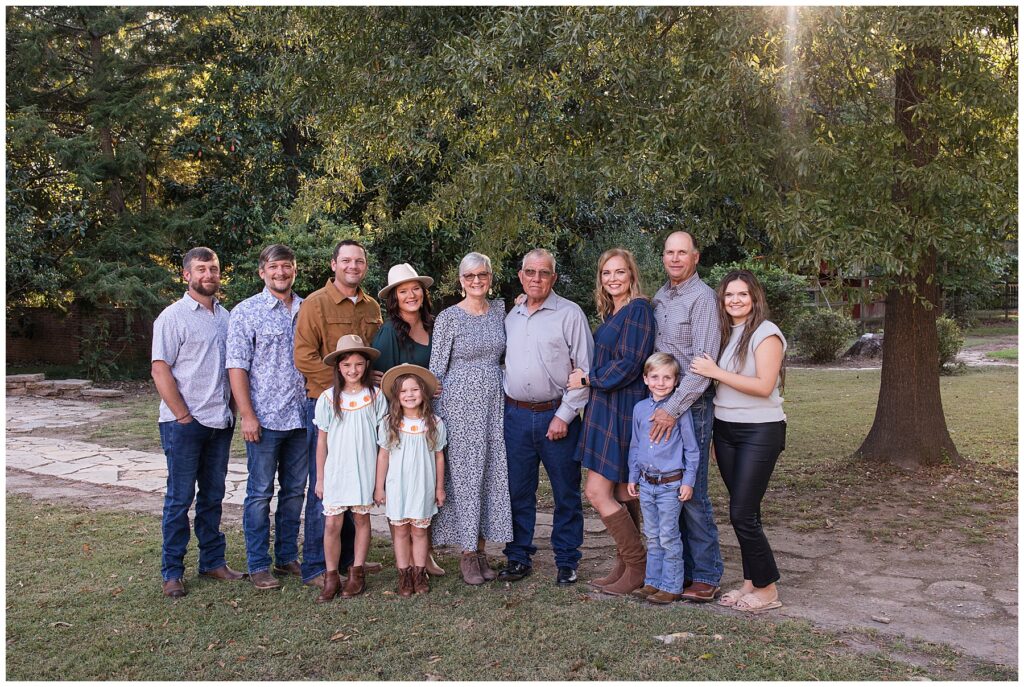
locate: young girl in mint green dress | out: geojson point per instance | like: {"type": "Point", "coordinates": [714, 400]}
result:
{"type": "Point", "coordinates": [347, 416]}
{"type": "Point", "coordinates": [410, 470]}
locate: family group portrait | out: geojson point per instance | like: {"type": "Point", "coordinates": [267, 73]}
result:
{"type": "Point", "coordinates": [511, 343]}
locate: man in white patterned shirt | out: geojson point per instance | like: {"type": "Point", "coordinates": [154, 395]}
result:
{"type": "Point", "coordinates": [271, 397]}
{"type": "Point", "coordinates": [195, 420]}
{"type": "Point", "coordinates": [686, 314]}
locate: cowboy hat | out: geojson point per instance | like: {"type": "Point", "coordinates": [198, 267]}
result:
{"type": "Point", "coordinates": [399, 274]}
{"type": "Point", "coordinates": [350, 343]}
{"type": "Point", "coordinates": [428, 380]}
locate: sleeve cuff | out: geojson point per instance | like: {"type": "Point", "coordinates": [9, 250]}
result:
{"type": "Point", "coordinates": [237, 364]}
{"type": "Point", "coordinates": [565, 414]}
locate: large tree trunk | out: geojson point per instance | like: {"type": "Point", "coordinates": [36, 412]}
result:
{"type": "Point", "coordinates": [910, 428]}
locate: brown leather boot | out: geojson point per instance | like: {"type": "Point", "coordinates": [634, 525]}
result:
{"type": "Point", "coordinates": [611, 577]}
{"type": "Point", "coordinates": [421, 584]}
{"type": "Point", "coordinates": [405, 582]}
{"type": "Point", "coordinates": [332, 583]}
{"type": "Point", "coordinates": [469, 566]}
{"type": "Point", "coordinates": [355, 584]}
{"type": "Point", "coordinates": [627, 539]}
{"type": "Point", "coordinates": [485, 567]}
{"type": "Point", "coordinates": [633, 506]}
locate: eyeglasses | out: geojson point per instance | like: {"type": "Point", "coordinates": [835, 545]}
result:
{"type": "Point", "coordinates": [543, 274]}
{"type": "Point", "coordinates": [479, 276]}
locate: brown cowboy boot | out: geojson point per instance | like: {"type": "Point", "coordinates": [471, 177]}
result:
{"type": "Point", "coordinates": [631, 548]}
{"type": "Point", "coordinates": [405, 582]}
{"type": "Point", "coordinates": [355, 584]}
{"type": "Point", "coordinates": [470, 568]}
{"type": "Point", "coordinates": [419, 579]}
{"type": "Point", "coordinates": [485, 567]}
{"type": "Point", "coordinates": [332, 582]}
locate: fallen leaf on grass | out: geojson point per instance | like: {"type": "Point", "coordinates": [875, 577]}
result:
{"type": "Point", "coordinates": [116, 591]}
{"type": "Point", "coordinates": [675, 637]}
{"type": "Point", "coordinates": [434, 659]}
{"type": "Point", "coordinates": [242, 658]}
{"type": "Point", "coordinates": [340, 635]}
{"type": "Point", "coordinates": [675, 659]}
{"type": "Point", "coordinates": [232, 603]}
{"type": "Point", "coordinates": [433, 678]}
{"type": "Point", "coordinates": [881, 619]}
{"type": "Point", "coordinates": [60, 623]}
{"type": "Point", "coordinates": [86, 548]}
{"type": "Point", "coordinates": [705, 657]}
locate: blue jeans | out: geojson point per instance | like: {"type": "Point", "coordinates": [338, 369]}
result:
{"type": "Point", "coordinates": [526, 447]}
{"type": "Point", "coordinates": [660, 505]}
{"type": "Point", "coordinates": [313, 534]}
{"type": "Point", "coordinates": [280, 452]}
{"type": "Point", "coordinates": [701, 554]}
{"type": "Point", "coordinates": [197, 455]}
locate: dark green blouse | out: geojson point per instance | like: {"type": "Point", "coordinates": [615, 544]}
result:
{"type": "Point", "coordinates": [392, 354]}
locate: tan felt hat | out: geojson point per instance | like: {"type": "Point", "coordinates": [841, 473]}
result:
{"type": "Point", "coordinates": [399, 274]}
{"type": "Point", "coordinates": [426, 376]}
{"type": "Point", "coordinates": [350, 343]}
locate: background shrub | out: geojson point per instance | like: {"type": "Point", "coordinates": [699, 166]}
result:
{"type": "Point", "coordinates": [951, 340]}
{"type": "Point", "coordinates": [822, 333]}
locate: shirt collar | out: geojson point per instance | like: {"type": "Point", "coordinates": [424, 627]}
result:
{"type": "Point", "coordinates": [272, 301]}
{"type": "Point", "coordinates": [336, 295]}
{"type": "Point", "coordinates": [550, 303]}
{"type": "Point", "coordinates": [655, 403]}
{"type": "Point", "coordinates": [684, 285]}
{"type": "Point", "coordinates": [192, 303]}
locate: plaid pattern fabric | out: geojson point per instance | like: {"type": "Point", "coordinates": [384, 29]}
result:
{"type": "Point", "coordinates": [687, 319]}
{"type": "Point", "coordinates": [621, 345]}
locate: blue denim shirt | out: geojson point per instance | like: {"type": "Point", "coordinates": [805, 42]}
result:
{"type": "Point", "coordinates": [261, 339]}
{"type": "Point", "coordinates": [680, 451]}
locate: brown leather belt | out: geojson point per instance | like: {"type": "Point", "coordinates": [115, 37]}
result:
{"type": "Point", "coordinates": [665, 478]}
{"type": "Point", "coordinates": [535, 407]}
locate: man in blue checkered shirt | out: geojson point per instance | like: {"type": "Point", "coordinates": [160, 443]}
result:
{"type": "Point", "coordinates": [686, 314]}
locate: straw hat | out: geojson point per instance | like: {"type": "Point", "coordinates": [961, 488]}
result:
{"type": "Point", "coordinates": [350, 343]}
{"type": "Point", "coordinates": [429, 380]}
{"type": "Point", "coordinates": [399, 274]}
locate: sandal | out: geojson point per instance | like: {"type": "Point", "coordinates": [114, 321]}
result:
{"type": "Point", "coordinates": [754, 605]}
{"type": "Point", "coordinates": [730, 598]}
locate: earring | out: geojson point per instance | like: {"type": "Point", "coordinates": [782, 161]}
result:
{"type": "Point", "coordinates": [490, 292]}
{"type": "Point", "coordinates": [463, 293]}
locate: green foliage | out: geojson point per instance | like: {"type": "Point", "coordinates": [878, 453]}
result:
{"type": "Point", "coordinates": [822, 333]}
{"type": "Point", "coordinates": [951, 340]}
{"type": "Point", "coordinates": [785, 292]}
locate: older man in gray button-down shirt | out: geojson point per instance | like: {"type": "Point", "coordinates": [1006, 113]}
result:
{"type": "Point", "coordinates": [547, 337]}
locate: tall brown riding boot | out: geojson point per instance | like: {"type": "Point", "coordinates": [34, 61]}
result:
{"type": "Point", "coordinates": [356, 582]}
{"type": "Point", "coordinates": [419, 580]}
{"type": "Point", "coordinates": [615, 574]}
{"type": "Point", "coordinates": [631, 549]}
{"type": "Point", "coordinates": [332, 582]}
{"type": "Point", "coordinates": [633, 506]}
{"type": "Point", "coordinates": [405, 583]}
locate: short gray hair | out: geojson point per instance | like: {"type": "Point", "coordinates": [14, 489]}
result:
{"type": "Point", "coordinates": [473, 260]}
{"type": "Point", "coordinates": [541, 253]}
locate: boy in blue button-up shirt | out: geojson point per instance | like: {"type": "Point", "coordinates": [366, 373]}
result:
{"type": "Point", "coordinates": [665, 473]}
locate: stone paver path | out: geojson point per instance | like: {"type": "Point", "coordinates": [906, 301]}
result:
{"type": "Point", "coordinates": [965, 598]}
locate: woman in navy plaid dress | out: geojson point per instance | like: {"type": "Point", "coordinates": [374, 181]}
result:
{"type": "Point", "coordinates": [621, 345]}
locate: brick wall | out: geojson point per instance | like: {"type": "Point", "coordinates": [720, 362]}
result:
{"type": "Point", "coordinates": [52, 336]}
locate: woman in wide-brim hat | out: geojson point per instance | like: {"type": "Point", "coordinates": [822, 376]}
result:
{"type": "Point", "coordinates": [405, 336]}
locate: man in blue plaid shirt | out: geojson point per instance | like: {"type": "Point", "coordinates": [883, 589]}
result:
{"type": "Point", "coordinates": [686, 314]}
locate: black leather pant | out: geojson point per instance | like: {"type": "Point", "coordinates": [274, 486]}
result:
{"type": "Point", "coordinates": [746, 454]}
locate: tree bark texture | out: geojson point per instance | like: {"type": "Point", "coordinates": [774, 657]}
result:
{"type": "Point", "coordinates": [909, 429]}
{"type": "Point", "coordinates": [115, 192]}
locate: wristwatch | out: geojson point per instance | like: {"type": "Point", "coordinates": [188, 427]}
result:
{"type": "Point", "coordinates": [584, 381]}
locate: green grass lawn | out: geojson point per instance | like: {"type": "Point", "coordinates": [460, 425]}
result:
{"type": "Point", "coordinates": [1005, 354]}
{"type": "Point", "coordinates": [84, 602]}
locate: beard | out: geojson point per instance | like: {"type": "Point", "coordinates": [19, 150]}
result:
{"type": "Point", "coordinates": [204, 289]}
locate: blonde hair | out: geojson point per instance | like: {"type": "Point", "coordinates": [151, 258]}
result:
{"type": "Point", "coordinates": [661, 360]}
{"type": "Point", "coordinates": [605, 305]}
